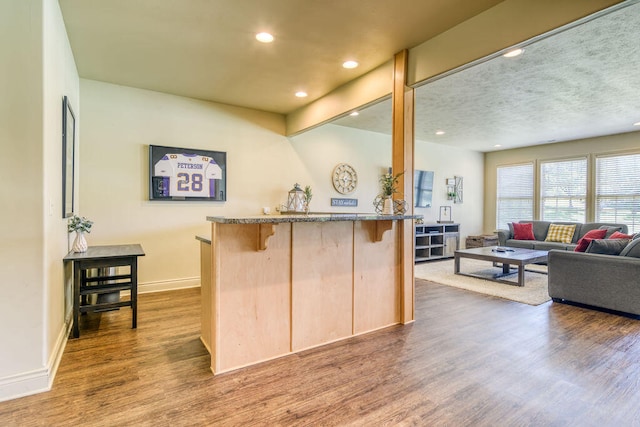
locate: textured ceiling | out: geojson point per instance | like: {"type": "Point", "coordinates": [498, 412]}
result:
{"type": "Point", "coordinates": [205, 49]}
{"type": "Point", "coordinates": [579, 83]}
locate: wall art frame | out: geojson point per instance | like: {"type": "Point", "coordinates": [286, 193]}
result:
{"type": "Point", "coordinates": [68, 158]}
{"type": "Point", "coordinates": [187, 174]}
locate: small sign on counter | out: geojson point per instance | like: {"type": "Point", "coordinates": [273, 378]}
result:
{"type": "Point", "coordinates": [336, 201]}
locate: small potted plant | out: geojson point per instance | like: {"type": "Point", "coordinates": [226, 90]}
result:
{"type": "Point", "coordinates": [389, 184]}
{"type": "Point", "coordinates": [308, 195]}
{"type": "Point", "coordinates": [80, 225]}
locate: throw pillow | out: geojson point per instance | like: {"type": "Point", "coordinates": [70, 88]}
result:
{"type": "Point", "coordinates": [560, 233]}
{"type": "Point", "coordinates": [588, 237]}
{"type": "Point", "coordinates": [619, 235]}
{"type": "Point", "coordinates": [607, 246]}
{"type": "Point", "coordinates": [523, 231]}
{"type": "Point", "coordinates": [632, 249]}
{"type": "Point", "coordinates": [610, 230]}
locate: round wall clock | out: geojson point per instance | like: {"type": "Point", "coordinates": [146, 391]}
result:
{"type": "Point", "coordinates": [345, 178]}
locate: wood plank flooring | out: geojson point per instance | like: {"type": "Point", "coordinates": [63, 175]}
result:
{"type": "Point", "coordinates": [468, 360]}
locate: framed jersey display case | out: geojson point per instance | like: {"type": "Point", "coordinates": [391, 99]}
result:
{"type": "Point", "coordinates": [187, 174]}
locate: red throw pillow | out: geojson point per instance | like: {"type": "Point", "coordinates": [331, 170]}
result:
{"type": "Point", "coordinates": [523, 231]}
{"type": "Point", "coordinates": [619, 235]}
{"type": "Point", "coordinates": [583, 243]}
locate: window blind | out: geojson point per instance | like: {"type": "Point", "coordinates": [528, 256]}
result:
{"type": "Point", "coordinates": [514, 194]}
{"type": "Point", "coordinates": [563, 190]}
{"type": "Point", "coordinates": [618, 190]}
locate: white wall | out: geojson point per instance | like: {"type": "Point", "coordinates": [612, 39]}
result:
{"type": "Point", "coordinates": [21, 268]}
{"type": "Point", "coordinates": [447, 162]}
{"type": "Point", "coordinates": [34, 243]}
{"type": "Point", "coordinates": [324, 147]}
{"type": "Point", "coordinates": [60, 79]}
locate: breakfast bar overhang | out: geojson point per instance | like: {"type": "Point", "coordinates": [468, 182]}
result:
{"type": "Point", "coordinates": [276, 285]}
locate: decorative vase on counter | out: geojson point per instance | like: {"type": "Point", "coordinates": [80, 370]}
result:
{"type": "Point", "coordinates": [79, 243]}
{"type": "Point", "coordinates": [387, 206]}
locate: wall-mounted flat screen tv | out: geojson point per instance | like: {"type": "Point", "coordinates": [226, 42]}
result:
{"type": "Point", "coordinates": [187, 174]}
{"type": "Point", "coordinates": [423, 188]}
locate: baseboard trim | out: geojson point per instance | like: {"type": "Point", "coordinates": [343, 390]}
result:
{"type": "Point", "coordinates": [24, 384]}
{"type": "Point", "coordinates": [38, 380]}
{"type": "Point", "coordinates": [169, 285]}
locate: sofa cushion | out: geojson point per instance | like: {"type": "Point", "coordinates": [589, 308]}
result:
{"type": "Point", "coordinates": [607, 246]}
{"type": "Point", "coordinates": [610, 230]}
{"type": "Point", "coordinates": [588, 237]}
{"type": "Point", "coordinates": [619, 235]}
{"type": "Point", "coordinates": [560, 233]}
{"type": "Point", "coordinates": [523, 231]}
{"type": "Point", "coordinates": [524, 244]}
{"type": "Point", "coordinates": [540, 229]}
{"type": "Point", "coordinates": [547, 246]}
{"type": "Point", "coordinates": [632, 249]}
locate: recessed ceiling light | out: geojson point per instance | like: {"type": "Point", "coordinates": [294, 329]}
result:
{"type": "Point", "coordinates": [301, 94]}
{"type": "Point", "coordinates": [264, 37]}
{"type": "Point", "coordinates": [498, 145]}
{"type": "Point", "coordinates": [513, 53]}
{"type": "Point", "coordinates": [355, 113]}
{"type": "Point", "coordinates": [637, 124]}
{"type": "Point", "coordinates": [350, 64]}
{"type": "Point", "coordinates": [440, 132]}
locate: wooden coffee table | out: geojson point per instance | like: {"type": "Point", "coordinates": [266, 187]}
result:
{"type": "Point", "coordinates": [504, 255]}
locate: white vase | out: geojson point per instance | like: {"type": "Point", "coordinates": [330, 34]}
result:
{"type": "Point", "coordinates": [79, 243]}
{"type": "Point", "coordinates": [387, 206]}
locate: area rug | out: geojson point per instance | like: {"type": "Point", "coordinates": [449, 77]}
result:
{"type": "Point", "coordinates": [534, 292]}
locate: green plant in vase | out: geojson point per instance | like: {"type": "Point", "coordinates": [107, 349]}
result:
{"type": "Point", "coordinates": [308, 195]}
{"type": "Point", "coordinates": [389, 184]}
{"type": "Point", "coordinates": [80, 225]}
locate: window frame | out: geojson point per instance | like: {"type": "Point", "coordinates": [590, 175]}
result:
{"type": "Point", "coordinates": [634, 225]}
{"type": "Point", "coordinates": [541, 198]}
{"type": "Point", "coordinates": [532, 166]}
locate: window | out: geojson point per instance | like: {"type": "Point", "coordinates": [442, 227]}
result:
{"type": "Point", "coordinates": [563, 190]}
{"type": "Point", "coordinates": [514, 194]}
{"type": "Point", "coordinates": [618, 190]}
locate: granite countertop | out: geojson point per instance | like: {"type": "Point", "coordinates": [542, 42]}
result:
{"type": "Point", "coordinates": [325, 217]}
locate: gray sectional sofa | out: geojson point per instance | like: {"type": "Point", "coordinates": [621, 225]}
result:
{"type": "Point", "coordinates": [540, 228]}
{"type": "Point", "coordinates": [597, 280]}
{"type": "Point", "coordinates": [610, 282]}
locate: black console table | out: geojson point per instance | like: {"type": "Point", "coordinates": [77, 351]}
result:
{"type": "Point", "coordinates": [104, 257]}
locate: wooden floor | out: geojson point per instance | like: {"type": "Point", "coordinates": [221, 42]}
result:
{"type": "Point", "coordinates": [468, 360]}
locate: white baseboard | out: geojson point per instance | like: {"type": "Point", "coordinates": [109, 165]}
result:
{"type": "Point", "coordinates": [24, 384]}
{"type": "Point", "coordinates": [37, 380]}
{"type": "Point", "coordinates": [169, 285]}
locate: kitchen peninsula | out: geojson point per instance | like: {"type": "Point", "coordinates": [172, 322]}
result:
{"type": "Point", "coordinates": [279, 284]}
